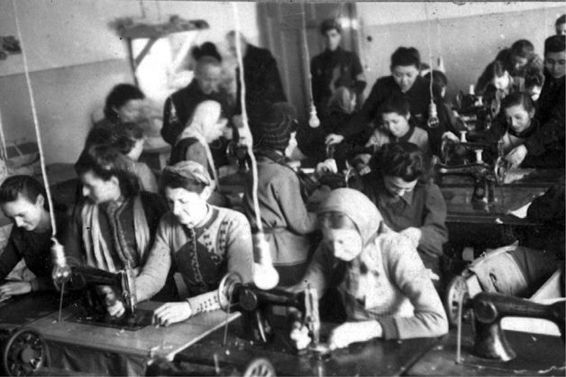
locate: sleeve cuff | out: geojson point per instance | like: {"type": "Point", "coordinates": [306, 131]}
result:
{"type": "Point", "coordinates": [390, 330]}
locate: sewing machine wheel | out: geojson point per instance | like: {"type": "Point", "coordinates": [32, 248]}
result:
{"type": "Point", "coordinates": [24, 353]}
{"type": "Point", "coordinates": [226, 288]}
{"type": "Point", "coordinates": [455, 291]}
{"type": "Point", "coordinates": [260, 368]}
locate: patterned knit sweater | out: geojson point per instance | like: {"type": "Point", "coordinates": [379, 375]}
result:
{"type": "Point", "coordinates": [202, 255]}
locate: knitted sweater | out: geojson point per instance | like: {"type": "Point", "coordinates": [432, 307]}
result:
{"type": "Point", "coordinates": [386, 282]}
{"type": "Point", "coordinates": [202, 255]}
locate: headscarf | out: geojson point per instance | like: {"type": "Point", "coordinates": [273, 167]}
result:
{"type": "Point", "coordinates": [191, 170]}
{"type": "Point", "coordinates": [206, 114]}
{"type": "Point", "coordinates": [358, 208]}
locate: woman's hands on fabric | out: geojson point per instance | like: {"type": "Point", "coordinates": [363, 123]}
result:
{"type": "Point", "coordinates": [352, 332]}
{"type": "Point", "coordinates": [300, 335]}
{"type": "Point", "coordinates": [172, 312]}
{"type": "Point", "coordinates": [334, 139]}
{"type": "Point", "coordinates": [14, 288]}
{"type": "Point", "coordinates": [517, 155]}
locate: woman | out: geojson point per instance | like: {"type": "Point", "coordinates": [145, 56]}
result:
{"type": "Point", "coordinates": [124, 103]}
{"type": "Point", "coordinates": [400, 187]}
{"type": "Point", "coordinates": [193, 144]}
{"type": "Point", "coordinates": [287, 223]}
{"type": "Point", "coordinates": [525, 142]}
{"type": "Point", "coordinates": [201, 241]}
{"type": "Point", "coordinates": [130, 139]}
{"type": "Point", "coordinates": [383, 285]}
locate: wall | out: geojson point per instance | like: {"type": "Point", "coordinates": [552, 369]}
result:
{"type": "Point", "coordinates": [75, 58]}
{"type": "Point", "coordinates": [467, 36]}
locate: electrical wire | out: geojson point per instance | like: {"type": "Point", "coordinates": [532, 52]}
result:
{"type": "Point", "coordinates": [237, 39]}
{"type": "Point", "coordinates": [36, 124]}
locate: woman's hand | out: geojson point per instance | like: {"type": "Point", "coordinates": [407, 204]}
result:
{"type": "Point", "coordinates": [334, 139]}
{"type": "Point", "coordinates": [300, 335]}
{"type": "Point", "coordinates": [172, 312]}
{"type": "Point", "coordinates": [14, 288]}
{"type": "Point", "coordinates": [352, 332]}
{"type": "Point", "coordinates": [517, 155]}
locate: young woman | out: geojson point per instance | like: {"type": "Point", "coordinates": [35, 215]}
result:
{"type": "Point", "coordinates": [382, 283]}
{"type": "Point", "coordinates": [205, 126]}
{"type": "Point", "coordinates": [201, 241]}
{"type": "Point", "coordinates": [130, 139]}
{"type": "Point", "coordinates": [525, 141]}
{"type": "Point", "coordinates": [124, 103]}
{"type": "Point", "coordinates": [409, 202]}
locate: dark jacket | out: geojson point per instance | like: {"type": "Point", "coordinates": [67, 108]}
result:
{"type": "Point", "coordinates": [263, 83]}
{"type": "Point", "coordinates": [35, 249]}
{"type": "Point", "coordinates": [325, 67]}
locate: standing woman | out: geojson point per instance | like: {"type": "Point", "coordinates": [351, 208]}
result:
{"type": "Point", "coordinates": [202, 242]}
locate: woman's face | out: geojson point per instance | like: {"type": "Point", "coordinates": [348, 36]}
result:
{"type": "Point", "coordinates": [215, 130]}
{"type": "Point", "coordinates": [518, 118]}
{"type": "Point", "coordinates": [341, 236]}
{"type": "Point", "coordinates": [131, 111]}
{"type": "Point", "coordinates": [405, 76]}
{"type": "Point", "coordinates": [396, 124]}
{"type": "Point", "coordinates": [502, 82]}
{"type": "Point", "coordinates": [397, 186]}
{"type": "Point", "coordinates": [189, 208]}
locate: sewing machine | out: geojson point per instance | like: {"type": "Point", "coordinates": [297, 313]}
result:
{"type": "Point", "coordinates": [484, 175]}
{"type": "Point", "coordinates": [463, 152]}
{"type": "Point", "coordinates": [477, 112]}
{"type": "Point", "coordinates": [254, 303]}
{"type": "Point", "coordinates": [24, 352]}
{"type": "Point", "coordinates": [101, 289]}
{"type": "Point", "coordinates": [490, 308]}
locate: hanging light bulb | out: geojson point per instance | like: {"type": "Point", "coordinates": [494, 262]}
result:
{"type": "Point", "coordinates": [264, 275]}
{"type": "Point", "coordinates": [314, 122]}
{"type": "Point", "coordinates": [61, 272]}
{"type": "Point", "coordinates": [433, 121]}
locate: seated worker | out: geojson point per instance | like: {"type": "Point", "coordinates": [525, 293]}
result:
{"type": "Point", "coordinates": [287, 224]}
{"type": "Point", "coordinates": [525, 141]}
{"type": "Point", "coordinates": [261, 76]}
{"type": "Point", "coordinates": [180, 106]}
{"type": "Point", "coordinates": [130, 139]}
{"type": "Point", "coordinates": [205, 126]}
{"type": "Point", "coordinates": [516, 60]}
{"type": "Point", "coordinates": [396, 125]}
{"type": "Point", "coordinates": [551, 103]}
{"type": "Point", "coordinates": [408, 200]}
{"type": "Point", "coordinates": [522, 270]}
{"type": "Point", "coordinates": [333, 68]}
{"type": "Point", "coordinates": [114, 227]}
{"type": "Point", "coordinates": [197, 240]}
{"type": "Point", "coordinates": [23, 200]}
{"type": "Point", "coordinates": [382, 283]}
{"type": "Point", "coordinates": [560, 25]}
{"type": "Point", "coordinates": [124, 103]}
{"type": "Point", "coordinates": [405, 81]}
{"type": "Point", "coordinates": [319, 143]}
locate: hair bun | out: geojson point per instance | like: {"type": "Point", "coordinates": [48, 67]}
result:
{"type": "Point", "coordinates": [206, 49]}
